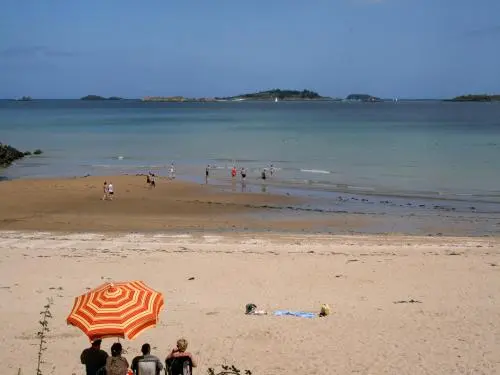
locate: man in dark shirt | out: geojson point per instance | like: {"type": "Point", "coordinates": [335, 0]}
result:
{"type": "Point", "coordinates": [146, 364]}
{"type": "Point", "coordinates": [94, 358]}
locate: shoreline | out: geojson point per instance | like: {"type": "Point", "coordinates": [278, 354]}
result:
{"type": "Point", "coordinates": [308, 184]}
{"type": "Point", "coordinates": [73, 204]}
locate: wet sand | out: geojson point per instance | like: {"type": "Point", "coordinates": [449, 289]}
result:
{"type": "Point", "coordinates": [75, 205]}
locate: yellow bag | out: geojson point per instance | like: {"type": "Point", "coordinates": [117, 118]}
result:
{"type": "Point", "coordinates": [325, 310]}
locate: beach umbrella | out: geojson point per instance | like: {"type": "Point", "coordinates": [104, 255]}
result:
{"type": "Point", "coordinates": [119, 309]}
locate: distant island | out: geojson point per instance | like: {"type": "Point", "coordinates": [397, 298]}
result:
{"type": "Point", "coordinates": [278, 94]}
{"type": "Point", "coordinates": [23, 99]}
{"type": "Point", "coordinates": [363, 98]}
{"type": "Point", "coordinates": [269, 95]}
{"type": "Point", "coordinates": [175, 99]}
{"type": "Point", "coordinates": [97, 97]}
{"type": "Point", "coordinates": [476, 98]}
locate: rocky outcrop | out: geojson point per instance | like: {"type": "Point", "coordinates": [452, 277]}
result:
{"type": "Point", "coordinates": [9, 154]}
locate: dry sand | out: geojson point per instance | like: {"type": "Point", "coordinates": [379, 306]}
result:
{"type": "Point", "coordinates": [454, 330]}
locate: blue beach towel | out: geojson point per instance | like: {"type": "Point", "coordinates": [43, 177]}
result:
{"type": "Point", "coordinates": [299, 314]}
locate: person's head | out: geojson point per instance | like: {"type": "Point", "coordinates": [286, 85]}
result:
{"type": "Point", "coordinates": [146, 349]}
{"type": "Point", "coordinates": [116, 349]}
{"type": "Point", "coordinates": [96, 343]}
{"type": "Point", "coordinates": [105, 183]}
{"type": "Point", "coordinates": [182, 345]}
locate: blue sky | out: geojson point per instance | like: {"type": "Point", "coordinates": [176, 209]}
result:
{"type": "Point", "coordinates": [388, 48]}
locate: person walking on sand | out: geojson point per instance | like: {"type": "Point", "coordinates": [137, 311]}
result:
{"type": "Point", "coordinates": [111, 191]}
{"type": "Point", "coordinates": [105, 191]}
{"type": "Point", "coordinates": [93, 358]}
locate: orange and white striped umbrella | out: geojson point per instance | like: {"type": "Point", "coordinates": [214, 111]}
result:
{"type": "Point", "coordinates": [120, 309]}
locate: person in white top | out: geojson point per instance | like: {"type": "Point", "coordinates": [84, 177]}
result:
{"type": "Point", "coordinates": [172, 171]}
{"type": "Point", "coordinates": [110, 191]}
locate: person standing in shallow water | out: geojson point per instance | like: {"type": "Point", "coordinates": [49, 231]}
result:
{"type": "Point", "coordinates": [207, 170]}
{"type": "Point", "coordinates": [93, 358]}
{"type": "Point", "coordinates": [172, 171]}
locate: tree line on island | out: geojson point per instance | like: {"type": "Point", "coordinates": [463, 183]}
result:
{"type": "Point", "coordinates": [267, 95]}
{"type": "Point", "coordinates": [97, 97]}
{"type": "Point", "coordinates": [476, 98]}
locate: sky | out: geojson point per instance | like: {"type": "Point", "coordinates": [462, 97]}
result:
{"type": "Point", "coordinates": [197, 48]}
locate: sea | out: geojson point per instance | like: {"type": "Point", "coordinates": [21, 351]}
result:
{"type": "Point", "coordinates": [397, 154]}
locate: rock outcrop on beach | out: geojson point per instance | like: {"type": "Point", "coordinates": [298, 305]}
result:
{"type": "Point", "coordinates": [9, 154]}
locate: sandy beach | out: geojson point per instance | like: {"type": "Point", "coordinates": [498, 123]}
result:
{"type": "Point", "coordinates": [452, 328]}
{"type": "Point", "coordinates": [400, 304]}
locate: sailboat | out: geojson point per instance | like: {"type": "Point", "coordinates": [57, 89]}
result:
{"type": "Point", "coordinates": [276, 100]}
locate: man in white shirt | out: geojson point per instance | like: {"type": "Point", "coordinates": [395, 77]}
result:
{"type": "Point", "coordinates": [110, 191]}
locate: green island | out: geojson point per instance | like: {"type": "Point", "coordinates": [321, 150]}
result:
{"type": "Point", "coordinates": [278, 94]}
{"type": "Point", "coordinates": [475, 98]}
{"type": "Point", "coordinates": [97, 97]}
{"type": "Point", "coordinates": [269, 95]}
{"type": "Point", "coordinates": [362, 98]}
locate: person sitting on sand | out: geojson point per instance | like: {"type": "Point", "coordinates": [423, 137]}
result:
{"type": "Point", "coordinates": [93, 358]}
{"type": "Point", "coordinates": [146, 364]}
{"type": "Point", "coordinates": [105, 191]}
{"type": "Point", "coordinates": [180, 351]}
{"type": "Point", "coordinates": [116, 364]}
{"type": "Point", "coordinates": [251, 309]}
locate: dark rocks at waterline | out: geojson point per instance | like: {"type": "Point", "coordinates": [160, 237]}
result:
{"type": "Point", "coordinates": [9, 154]}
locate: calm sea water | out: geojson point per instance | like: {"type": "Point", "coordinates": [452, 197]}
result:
{"type": "Point", "coordinates": [430, 149]}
